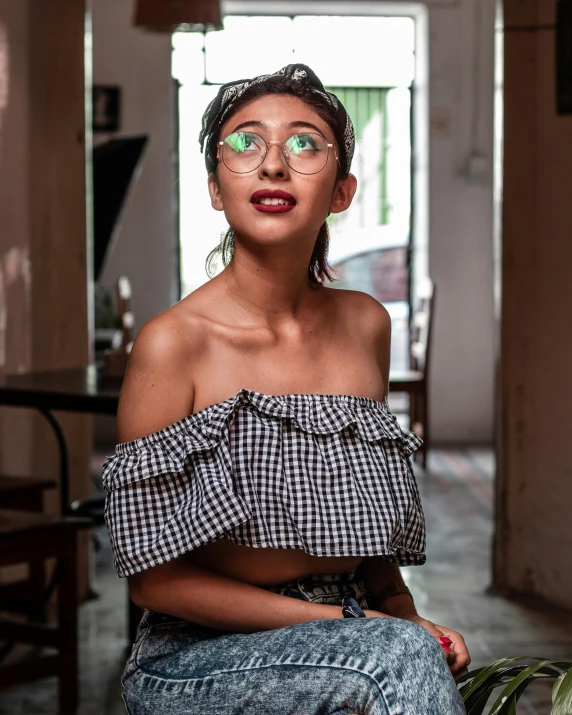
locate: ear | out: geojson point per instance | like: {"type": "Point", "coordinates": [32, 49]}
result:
{"type": "Point", "coordinates": [214, 191]}
{"type": "Point", "coordinates": [343, 195]}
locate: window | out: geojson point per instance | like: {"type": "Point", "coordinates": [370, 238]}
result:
{"type": "Point", "coordinates": [371, 239]}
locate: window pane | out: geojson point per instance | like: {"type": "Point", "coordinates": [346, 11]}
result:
{"type": "Point", "coordinates": [357, 51]}
{"type": "Point", "coordinates": [188, 58]}
{"type": "Point", "coordinates": [247, 47]}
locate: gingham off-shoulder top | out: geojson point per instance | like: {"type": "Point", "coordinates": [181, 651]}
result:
{"type": "Point", "coordinates": [328, 474]}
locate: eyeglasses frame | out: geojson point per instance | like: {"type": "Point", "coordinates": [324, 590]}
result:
{"type": "Point", "coordinates": [284, 154]}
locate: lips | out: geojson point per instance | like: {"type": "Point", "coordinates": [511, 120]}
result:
{"type": "Point", "coordinates": [272, 201]}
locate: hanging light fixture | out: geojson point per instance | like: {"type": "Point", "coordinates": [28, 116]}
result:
{"type": "Point", "coordinates": [182, 15]}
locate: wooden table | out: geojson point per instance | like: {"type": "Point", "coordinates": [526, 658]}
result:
{"type": "Point", "coordinates": [75, 390]}
{"type": "Point", "coordinates": [84, 390]}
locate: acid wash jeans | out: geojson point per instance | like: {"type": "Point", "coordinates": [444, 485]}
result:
{"type": "Point", "coordinates": [367, 666]}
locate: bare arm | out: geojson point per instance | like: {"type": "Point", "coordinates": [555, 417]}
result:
{"type": "Point", "coordinates": [192, 592]}
{"type": "Point", "coordinates": [381, 323]}
{"type": "Point", "coordinates": [377, 575]}
{"type": "Point", "coordinates": [158, 388]}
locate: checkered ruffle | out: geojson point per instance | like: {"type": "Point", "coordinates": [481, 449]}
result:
{"type": "Point", "coordinates": [329, 474]}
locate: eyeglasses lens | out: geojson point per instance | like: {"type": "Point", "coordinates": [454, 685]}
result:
{"type": "Point", "coordinates": [245, 151]}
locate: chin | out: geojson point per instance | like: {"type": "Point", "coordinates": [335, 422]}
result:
{"type": "Point", "coordinates": [270, 238]}
{"type": "Point", "coordinates": [285, 238]}
{"type": "Point", "coordinates": [274, 232]}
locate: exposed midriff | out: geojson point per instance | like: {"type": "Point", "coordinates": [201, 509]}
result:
{"type": "Point", "coordinates": [266, 566]}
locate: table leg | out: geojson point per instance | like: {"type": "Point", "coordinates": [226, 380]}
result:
{"type": "Point", "coordinates": [68, 626]}
{"type": "Point", "coordinates": [64, 461]}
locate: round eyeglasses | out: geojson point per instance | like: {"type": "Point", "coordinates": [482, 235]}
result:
{"type": "Point", "coordinates": [305, 153]}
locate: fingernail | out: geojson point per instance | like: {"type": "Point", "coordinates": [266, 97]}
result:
{"type": "Point", "coordinates": [444, 639]}
{"type": "Point", "coordinates": [445, 648]}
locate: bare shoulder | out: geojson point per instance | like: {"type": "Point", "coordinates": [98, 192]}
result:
{"type": "Point", "coordinates": [158, 388]}
{"type": "Point", "coordinates": [363, 311]}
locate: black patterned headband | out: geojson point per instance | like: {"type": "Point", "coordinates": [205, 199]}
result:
{"type": "Point", "coordinates": [222, 106]}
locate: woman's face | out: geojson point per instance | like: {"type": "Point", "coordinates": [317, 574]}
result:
{"type": "Point", "coordinates": [310, 197]}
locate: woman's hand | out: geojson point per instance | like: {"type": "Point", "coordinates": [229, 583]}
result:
{"type": "Point", "coordinates": [453, 644]}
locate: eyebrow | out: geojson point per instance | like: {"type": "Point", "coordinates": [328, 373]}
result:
{"type": "Point", "coordinates": [290, 125]}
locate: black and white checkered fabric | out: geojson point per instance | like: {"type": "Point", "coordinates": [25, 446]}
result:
{"type": "Point", "coordinates": [329, 474]}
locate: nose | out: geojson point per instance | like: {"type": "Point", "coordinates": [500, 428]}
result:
{"type": "Point", "coordinates": [274, 164]}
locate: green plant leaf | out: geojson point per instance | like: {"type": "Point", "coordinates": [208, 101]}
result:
{"type": "Point", "coordinates": [516, 696]}
{"type": "Point", "coordinates": [477, 686]}
{"type": "Point", "coordinates": [563, 697]}
{"type": "Point", "coordinates": [553, 669]}
{"type": "Point", "coordinates": [476, 704]}
{"type": "Point", "coordinates": [510, 704]}
{"type": "Point", "coordinates": [562, 665]}
{"type": "Point", "coordinates": [485, 674]}
{"type": "Point", "coordinates": [555, 687]}
{"type": "Point", "coordinates": [522, 678]}
{"type": "Point", "coordinates": [476, 701]}
{"type": "Point", "coordinates": [473, 702]}
{"type": "Point", "coordinates": [468, 676]}
{"type": "Point", "coordinates": [504, 669]}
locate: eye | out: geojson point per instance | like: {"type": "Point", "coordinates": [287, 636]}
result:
{"type": "Point", "coordinates": [303, 142]}
{"type": "Point", "coordinates": [241, 142]}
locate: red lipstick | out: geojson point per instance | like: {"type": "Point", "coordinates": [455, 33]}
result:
{"type": "Point", "coordinates": [272, 201]}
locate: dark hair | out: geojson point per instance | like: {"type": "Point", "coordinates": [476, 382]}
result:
{"type": "Point", "coordinates": [319, 268]}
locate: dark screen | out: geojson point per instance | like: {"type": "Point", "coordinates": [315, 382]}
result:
{"type": "Point", "coordinates": [114, 171]}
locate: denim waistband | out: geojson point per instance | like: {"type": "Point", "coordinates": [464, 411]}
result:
{"type": "Point", "coordinates": [325, 588]}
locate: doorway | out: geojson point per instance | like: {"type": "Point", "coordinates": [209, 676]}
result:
{"type": "Point", "coordinates": [372, 244]}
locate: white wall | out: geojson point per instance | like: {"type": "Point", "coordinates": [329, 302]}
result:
{"type": "Point", "coordinates": [461, 221]}
{"type": "Point", "coordinates": [460, 213]}
{"type": "Point", "coordinates": [140, 63]}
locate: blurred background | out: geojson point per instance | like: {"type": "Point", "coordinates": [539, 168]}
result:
{"type": "Point", "coordinates": [460, 227]}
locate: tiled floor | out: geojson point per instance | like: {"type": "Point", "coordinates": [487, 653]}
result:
{"type": "Point", "coordinates": [450, 589]}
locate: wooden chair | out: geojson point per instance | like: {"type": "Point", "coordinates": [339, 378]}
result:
{"type": "Point", "coordinates": [26, 537]}
{"type": "Point", "coordinates": [415, 380]}
{"type": "Point", "coordinates": [25, 494]}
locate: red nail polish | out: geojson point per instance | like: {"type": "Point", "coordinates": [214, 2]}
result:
{"type": "Point", "coordinates": [445, 648]}
{"type": "Point", "coordinates": [444, 639]}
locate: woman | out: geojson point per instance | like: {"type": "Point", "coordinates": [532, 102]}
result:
{"type": "Point", "coordinates": [261, 498]}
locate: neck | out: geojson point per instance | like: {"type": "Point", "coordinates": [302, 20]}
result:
{"type": "Point", "coordinates": [270, 284]}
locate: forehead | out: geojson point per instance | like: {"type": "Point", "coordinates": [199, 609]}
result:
{"type": "Point", "coordinates": [277, 112]}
